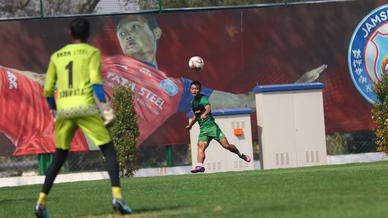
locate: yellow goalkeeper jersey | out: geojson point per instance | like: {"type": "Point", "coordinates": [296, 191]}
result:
{"type": "Point", "coordinates": [74, 69]}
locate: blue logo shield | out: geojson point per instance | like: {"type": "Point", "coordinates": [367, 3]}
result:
{"type": "Point", "coordinates": [368, 52]}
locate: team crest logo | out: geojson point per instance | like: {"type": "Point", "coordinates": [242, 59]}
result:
{"type": "Point", "coordinates": [368, 52]}
{"type": "Point", "coordinates": [169, 87]}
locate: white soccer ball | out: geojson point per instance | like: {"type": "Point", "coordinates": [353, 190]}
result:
{"type": "Point", "coordinates": [196, 63]}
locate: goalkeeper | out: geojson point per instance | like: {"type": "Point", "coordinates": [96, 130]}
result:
{"type": "Point", "coordinates": [75, 69]}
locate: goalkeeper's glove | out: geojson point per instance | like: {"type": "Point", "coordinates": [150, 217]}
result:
{"type": "Point", "coordinates": [107, 113]}
{"type": "Point", "coordinates": [54, 113]}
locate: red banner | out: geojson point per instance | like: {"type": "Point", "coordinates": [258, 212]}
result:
{"type": "Point", "coordinates": [241, 48]}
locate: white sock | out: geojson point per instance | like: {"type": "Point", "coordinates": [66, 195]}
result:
{"type": "Point", "coordinates": [200, 164]}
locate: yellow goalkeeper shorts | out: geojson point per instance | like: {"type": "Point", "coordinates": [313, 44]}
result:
{"type": "Point", "coordinates": [92, 126]}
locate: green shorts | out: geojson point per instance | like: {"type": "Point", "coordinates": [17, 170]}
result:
{"type": "Point", "coordinates": [92, 126]}
{"type": "Point", "coordinates": [207, 133]}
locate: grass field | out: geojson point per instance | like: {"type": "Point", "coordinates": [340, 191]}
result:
{"type": "Point", "coordinates": [356, 190]}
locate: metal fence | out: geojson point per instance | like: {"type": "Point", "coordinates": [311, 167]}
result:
{"type": "Point", "coordinates": [49, 8]}
{"type": "Point", "coordinates": [172, 155]}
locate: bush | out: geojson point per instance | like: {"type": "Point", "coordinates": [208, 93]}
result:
{"type": "Point", "coordinates": [125, 130]}
{"type": "Point", "coordinates": [336, 144]}
{"type": "Point", "coordinates": [380, 114]}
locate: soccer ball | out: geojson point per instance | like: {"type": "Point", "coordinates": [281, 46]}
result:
{"type": "Point", "coordinates": [196, 63]}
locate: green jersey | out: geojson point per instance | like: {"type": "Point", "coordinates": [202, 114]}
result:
{"type": "Point", "coordinates": [198, 105]}
{"type": "Point", "coordinates": [74, 69]}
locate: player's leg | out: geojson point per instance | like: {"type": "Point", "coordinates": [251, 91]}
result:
{"type": "Point", "coordinates": [199, 167]}
{"type": "Point", "coordinates": [221, 138]}
{"type": "Point", "coordinates": [93, 127]}
{"type": "Point", "coordinates": [203, 143]}
{"type": "Point", "coordinates": [64, 132]}
{"type": "Point", "coordinates": [112, 166]}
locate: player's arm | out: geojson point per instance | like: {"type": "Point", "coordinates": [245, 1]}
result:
{"type": "Point", "coordinates": [222, 99]}
{"type": "Point", "coordinates": [49, 87]}
{"type": "Point", "coordinates": [98, 89]}
{"type": "Point", "coordinates": [37, 77]}
{"type": "Point", "coordinates": [312, 75]}
{"type": "Point", "coordinates": [191, 122]}
{"type": "Point", "coordinates": [95, 71]}
{"type": "Point", "coordinates": [204, 102]}
{"type": "Point", "coordinates": [208, 109]}
{"type": "Point", "coordinates": [95, 76]}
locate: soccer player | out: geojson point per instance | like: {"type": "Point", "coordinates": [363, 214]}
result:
{"type": "Point", "coordinates": [208, 127]}
{"type": "Point", "coordinates": [75, 69]}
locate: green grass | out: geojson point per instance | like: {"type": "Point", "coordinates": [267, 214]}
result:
{"type": "Point", "coordinates": [356, 190]}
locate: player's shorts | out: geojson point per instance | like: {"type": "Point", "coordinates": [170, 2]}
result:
{"type": "Point", "coordinates": [207, 133]}
{"type": "Point", "coordinates": [92, 126]}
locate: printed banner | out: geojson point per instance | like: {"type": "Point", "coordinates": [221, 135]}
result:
{"type": "Point", "coordinates": [341, 44]}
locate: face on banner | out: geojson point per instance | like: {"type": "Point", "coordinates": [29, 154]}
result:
{"type": "Point", "coordinates": [138, 39]}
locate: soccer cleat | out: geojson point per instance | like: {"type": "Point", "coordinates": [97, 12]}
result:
{"type": "Point", "coordinates": [121, 207]}
{"type": "Point", "coordinates": [41, 212]}
{"type": "Point", "coordinates": [245, 157]}
{"type": "Point", "coordinates": [198, 169]}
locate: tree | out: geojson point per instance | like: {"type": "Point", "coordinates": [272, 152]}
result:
{"type": "Point", "coordinates": [53, 7]}
{"type": "Point", "coordinates": [28, 8]}
{"type": "Point", "coordinates": [19, 8]}
{"type": "Point", "coordinates": [32, 8]}
{"type": "Point", "coordinates": [336, 143]}
{"type": "Point", "coordinates": [152, 4]}
{"type": "Point", "coordinates": [125, 130]}
{"type": "Point", "coordinates": [380, 114]}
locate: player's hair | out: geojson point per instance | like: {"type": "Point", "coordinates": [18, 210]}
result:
{"type": "Point", "coordinates": [80, 28]}
{"type": "Point", "coordinates": [196, 83]}
{"type": "Point", "coordinates": [149, 18]}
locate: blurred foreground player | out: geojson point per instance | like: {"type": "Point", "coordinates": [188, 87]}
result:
{"type": "Point", "coordinates": [76, 70]}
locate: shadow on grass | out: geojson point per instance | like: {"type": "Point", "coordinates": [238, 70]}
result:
{"type": "Point", "coordinates": [176, 211]}
{"type": "Point", "coordinates": [17, 200]}
{"type": "Point", "coordinates": [157, 209]}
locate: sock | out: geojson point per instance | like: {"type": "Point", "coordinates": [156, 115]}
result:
{"type": "Point", "coordinates": [116, 192]}
{"type": "Point", "coordinates": [42, 199]}
{"type": "Point", "coordinates": [200, 164]}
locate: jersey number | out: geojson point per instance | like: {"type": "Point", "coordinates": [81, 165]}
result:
{"type": "Point", "coordinates": [69, 67]}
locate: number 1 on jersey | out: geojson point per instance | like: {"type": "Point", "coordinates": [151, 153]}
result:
{"type": "Point", "coordinates": [69, 67]}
